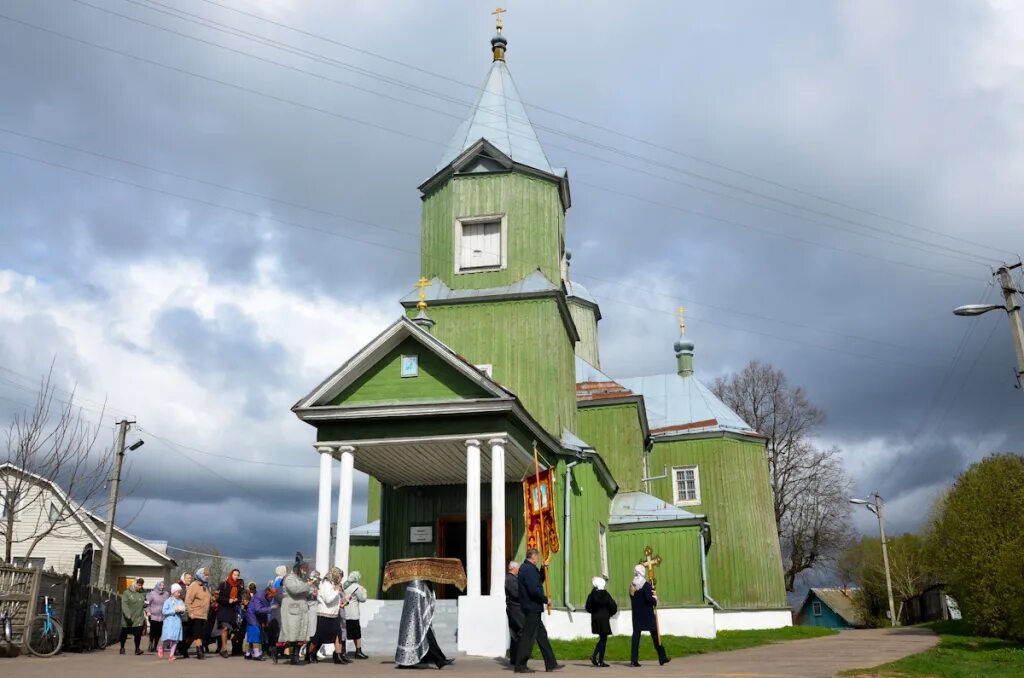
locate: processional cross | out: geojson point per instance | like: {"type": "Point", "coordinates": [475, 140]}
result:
{"type": "Point", "coordinates": [651, 561]}
{"type": "Point", "coordinates": [681, 314]}
{"type": "Point", "coordinates": [423, 284]}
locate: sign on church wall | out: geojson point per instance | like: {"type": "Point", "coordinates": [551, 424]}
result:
{"type": "Point", "coordinates": [421, 534]}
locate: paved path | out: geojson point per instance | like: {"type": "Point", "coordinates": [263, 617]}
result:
{"type": "Point", "coordinates": [812, 658]}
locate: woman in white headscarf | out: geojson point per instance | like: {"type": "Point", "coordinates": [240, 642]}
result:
{"type": "Point", "coordinates": [601, 607]}
{"type": "Point", "coordinates": [644, 600]}
{"type": "Point", "coordinates": [355, 593]}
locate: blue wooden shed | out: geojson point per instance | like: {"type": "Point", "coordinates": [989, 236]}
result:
{"type": "Point", "coordinates": [830, 608]}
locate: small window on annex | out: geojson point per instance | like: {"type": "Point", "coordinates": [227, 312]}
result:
{"type": "Point", "coordinates": [54, 513]}
{"type": "Point", "coordinates": [686, 485]}
{"type": "Point", "coordinates": [817, 609]}
{"type": "Point", "coordinates": [481, 243]}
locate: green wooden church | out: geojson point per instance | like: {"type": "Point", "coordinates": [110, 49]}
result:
{"type": "Point", "coordinates": [497, 352]}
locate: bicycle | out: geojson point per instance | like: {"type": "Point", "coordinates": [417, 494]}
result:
{"type": "Point", "coordinates": [100, 638]}
{"type": "Point", "coordinates": [44, 636]}
{"type": "Point", "coordinates": [7, 620]}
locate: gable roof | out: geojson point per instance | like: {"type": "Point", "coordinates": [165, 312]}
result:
{"type": "Point", "coordinates": [683, 404]}
{"type": "Point", "coordinates": [381, 345]}
{"type": "Point", "coordinates": [92, 524]}
{"type": "Point", "coordinates": [499, 116]}
{"type": "Point", "coordinates": [839, 601]}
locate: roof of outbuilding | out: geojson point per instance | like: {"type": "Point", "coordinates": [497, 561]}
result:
{"type": "Point", "coordinates": [683, 404]}
{"type": "Point", "coordinates": [499, 116]}
{"type": "Point", "coordinates": [841, 602]}
{"type": "Point", "coordinates": [638, 507]}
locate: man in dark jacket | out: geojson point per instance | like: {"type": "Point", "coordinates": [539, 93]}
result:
{"type": "Point", "coordinates": [532, 601]}
{"type": "Point", "coordinates": [512, 609]}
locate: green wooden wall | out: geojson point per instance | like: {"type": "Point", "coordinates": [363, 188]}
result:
{"type": "Point", "coordinates": [679, 577]}
{"type": "Point", "coordinates": [372, 499]}
{"type": "Point", "coordinates": [526, 343]}
{"type": "Point", "coordinates": [364, 557]}
{"type": "Point", "coordinates": [383, 383]}
{"type": "Point", "coordinates": [536, 227]}
{"type": "Point", "coordinates": [585, 319]}
{"type": "Point", "coordinates": [591, 504]}
{"type": "Point", "coordinates": [745, 562]}
{"type": "Point", "coordinates": [405, 507]}
{"type": "Point", "coordinates": [616, 434]}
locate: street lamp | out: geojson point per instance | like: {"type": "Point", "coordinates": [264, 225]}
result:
{"type": "Point", "coordinates": [1012, 308]}
{"type": "Point", "coordinates": [876, 508]}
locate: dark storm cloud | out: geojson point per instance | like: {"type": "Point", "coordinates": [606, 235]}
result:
{"type": "Point", "coordinates": [898, 109]}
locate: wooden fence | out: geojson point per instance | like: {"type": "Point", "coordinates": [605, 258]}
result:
{"type": "Point", "coordinates": [19, 591]}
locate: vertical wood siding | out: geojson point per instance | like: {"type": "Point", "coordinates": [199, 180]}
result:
{"type": "Point", "coordinates": [586, 325]}
{"type": "Point", "coordinates": [536, 227]}
{"type": "Point", "coordinates": [591, 504]}
{"type": "Point", "coordinates": [365, 559]}
{"type": "Point", "coordinates": [745, 562]}
{"type": "Point", "coordinates": [373, 491]}
{"type": "Point", "coordinates": [435, 380]}
{"type": "Point", "coordinates": [527, 345]}
{"type": "Point", "coordinates": [679, 577]}
{"type": "Point", "coordinates": [615, 432]}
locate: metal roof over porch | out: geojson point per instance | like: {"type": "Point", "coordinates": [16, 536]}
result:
{"type": "Point", "coordinates": [440, 460]}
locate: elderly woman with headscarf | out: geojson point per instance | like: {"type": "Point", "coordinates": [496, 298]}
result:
{"type": "Point", "coordinates": [355, 594]}
{"type": "Point", "coordinates": [197, 606]}
{"type": "Point", "coordinates": [155, 600]}
{"type": "Point", "coordinates": [601, 607]}
{"type": "Point", "coordinates": [644, 601]}
{"type": "Point", "coordinates": [416, 642]}
{"type": "Point", "coordinates": [329, 602]}
{"type": "Point", "coordinates": [295, 595]}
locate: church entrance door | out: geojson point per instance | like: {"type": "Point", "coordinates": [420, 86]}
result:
{"type": "Point", "coordinates": [451, 543]}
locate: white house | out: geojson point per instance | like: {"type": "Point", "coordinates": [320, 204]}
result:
{"type": "Point", "coordinates": [43, 508]}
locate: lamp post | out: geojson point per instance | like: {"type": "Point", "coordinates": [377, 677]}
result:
{"type": "Point", "coordinates": [1012, 308]}
{"type": "Point", "coordinates": [875, 507]}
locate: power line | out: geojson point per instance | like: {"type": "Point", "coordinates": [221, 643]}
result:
{"type": "Point", "coordinates": [624, 135]}
{"type": "Point", "coordinates": [952, 253]}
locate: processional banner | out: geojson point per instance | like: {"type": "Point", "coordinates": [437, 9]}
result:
{"type": "Point", "coordinates": [541, 523]}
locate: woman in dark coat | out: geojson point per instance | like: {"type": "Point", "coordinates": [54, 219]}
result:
{"type": "Point", "coordinates": [644, 600]}
{"type": "Point", "coordinates": [602, 608]}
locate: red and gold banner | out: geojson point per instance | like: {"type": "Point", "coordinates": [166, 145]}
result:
{"type": "Point", "coordinates": [541, 522]}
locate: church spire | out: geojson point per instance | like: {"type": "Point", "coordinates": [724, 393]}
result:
{"type": "Point", "coordinates": [683, 347]}
{"type": "Point", "coordinates": [498, 42]}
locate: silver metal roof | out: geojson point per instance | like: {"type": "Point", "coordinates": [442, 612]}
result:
{"type": "Point", "coordinates": [586, 372]}
{"type": "Point", "coordinates": [438, 291]}
{"type": "Point", "coordinates": [571, 441]}
{"type": "Point", "coordinates": [577, 290]}
{"type": "Point", "coordinates": [673, 400]}
{"type": "Point", "coordinates": [367, 530]}
{"type": "Point", "coordinates": [499, 116]}
{"type": "Point", "coordinates": [638, 507]}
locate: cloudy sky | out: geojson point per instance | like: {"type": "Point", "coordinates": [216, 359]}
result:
{"type": "Point", "coordinates": [203, 214]}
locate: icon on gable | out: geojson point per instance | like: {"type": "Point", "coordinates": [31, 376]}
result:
{"type": "Point", "coordinates": [410, 366]}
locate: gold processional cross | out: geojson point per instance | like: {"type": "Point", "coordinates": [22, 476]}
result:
{"type": "Point", "coordinates": [423, 284]}
{"type": "Point", "coordinates": [651, 561]}
{"type": "Point", "coordinates": [681, 314]}
{"type": "Point", "coordinates": [498, 11]}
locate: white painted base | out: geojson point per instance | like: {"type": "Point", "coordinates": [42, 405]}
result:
{"type": "Point", "coordinates": [746, 620]}
{"type": "Point", "coordinates": [696, 622]}
{"type": "Point", "coordinates": [483, 631]}
{"type": "Point", "coordinates": [369, 609]}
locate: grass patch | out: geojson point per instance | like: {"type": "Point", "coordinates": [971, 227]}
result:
{"type": "Point", "coordinates": [681, 646]}
{"type": "Point", "coordinates": [959, 654]}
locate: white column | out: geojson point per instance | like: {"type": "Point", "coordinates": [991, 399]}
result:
{"type": "Point", "coordinates": [344, 508]}
{"type": "Point", "coordinates": [497, 516]}
{"type": "Point", "coordinates": [473, 518]}
{"type": "Point", "coordinates": [323, 513]}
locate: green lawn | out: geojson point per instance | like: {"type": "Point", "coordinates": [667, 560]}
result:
{"type": "Point", "coordinates": [958, 655]}
{"type": "Point", "coordinates": [680, 646]}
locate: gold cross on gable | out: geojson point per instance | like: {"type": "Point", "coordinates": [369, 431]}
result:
{"type": "Point", "coordinates": [423, 284]}
{"type": "Point", "coordinates": [681, 314]}
{"type": "Point", "coordinates": [498, 11]}
{"type": "Point", "coordinates": [650, 561]}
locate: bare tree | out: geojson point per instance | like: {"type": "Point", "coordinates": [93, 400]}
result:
{"type": "Point", "coordinates": [191, 557]}
{"type": "Point", "coordinates": [49, 444]}
{"type": "Point", "coordinates": [809, 486]}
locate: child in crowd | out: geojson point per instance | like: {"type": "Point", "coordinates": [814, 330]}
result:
{"type": "Point", "coordinates": [257, 613]}
{"type": "Point", "coordinates": [174, 611]}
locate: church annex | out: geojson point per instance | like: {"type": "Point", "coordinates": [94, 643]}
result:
{"type": "Point", "coordinates": [496, 353]}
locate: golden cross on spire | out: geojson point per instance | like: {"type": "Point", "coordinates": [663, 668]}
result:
{"type": "Point", "coordinates": [681, 314]}
{"type": "Point", "coordinates": [422, 284]}
{"type": "Point", "coordinates": [498, 11]}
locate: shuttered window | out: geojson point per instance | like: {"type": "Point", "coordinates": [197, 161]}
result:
{"type": "Point", "coordinates": [479, 244]}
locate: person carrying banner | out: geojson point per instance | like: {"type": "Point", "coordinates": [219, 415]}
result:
{"type": "Point", "coordinates": [532, 601]}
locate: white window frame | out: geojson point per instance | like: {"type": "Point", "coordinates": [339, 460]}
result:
{"type": "Point", "coordinates": [416, 367]}
{"type": "Point", "coordinates": [602, 543]}
{"type": "Point", "coordinates": [457, 243]}
{"type": "Point", "coordinates": [696, 486]}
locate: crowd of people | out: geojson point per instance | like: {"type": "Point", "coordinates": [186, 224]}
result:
{"type": "Point", "coordinates": [292, 618]}
{"type": "Point", "coordinates": [525, 600]}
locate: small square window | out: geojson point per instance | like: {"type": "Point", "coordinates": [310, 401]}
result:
{"type": "Point", "coordinates": [686, 485]}
{"type": "Point", "coordinates": [817, 609]}
{"type": "Point", "coordinates": [410, 366]}
{"type": "Point", "coordinates": [480, 244]}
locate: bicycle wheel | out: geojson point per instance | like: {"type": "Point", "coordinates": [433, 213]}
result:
{"type": "Point", "coordinates": [100, 640]}
{"type": "Point", "coordinates": [44, 636]}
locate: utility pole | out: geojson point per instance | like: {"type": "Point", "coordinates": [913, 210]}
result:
{"type": "Point", "coordinates": [1013, 311]}
{"type": "Point", "coordinates": [885, 557]}
{"type": "Point", "coordinates": [115, 482]}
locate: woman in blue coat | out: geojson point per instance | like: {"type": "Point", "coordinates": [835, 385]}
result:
{"type": "Point", "coordinates": [643, 601]}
